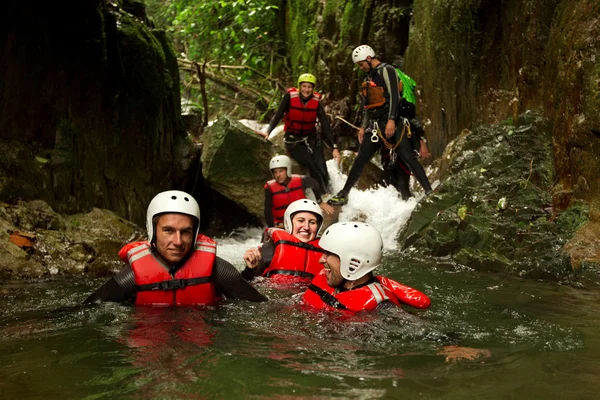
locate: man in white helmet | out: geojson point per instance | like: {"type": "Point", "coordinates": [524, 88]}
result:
{"type": "Point", "coordinates": [177, 266]}
{"type": "Point", "coordinates": [301, 108]}
{"type": "Point", "coordinates": [381, 92]}
{"type": "Point", "coordinates": [285, 188]}
{"type": "Point", "coordinates": [352, 251]}
{"type": "Point", "coordinates": [291, 255]}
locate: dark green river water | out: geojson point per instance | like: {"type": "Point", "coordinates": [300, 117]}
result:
{"type": "Point", "coordinates": [534, 340]}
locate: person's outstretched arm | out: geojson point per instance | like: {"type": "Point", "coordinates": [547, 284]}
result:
{"type": "Point", "coordinates": [119, 288]}
{"type": "Point", "coordinates": [230, 283]}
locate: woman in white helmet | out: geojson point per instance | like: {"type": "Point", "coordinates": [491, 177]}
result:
{"type": "Point", "coordinates": [285, 188]}
{"type": "Point", "coordinates": [177, 266]}
{"type": "Point", "coordinates": [290, 255]}
{"type": "Point", "coordinates": [301, 108]}
{"type": "Point", "coordinates": [352, 251]}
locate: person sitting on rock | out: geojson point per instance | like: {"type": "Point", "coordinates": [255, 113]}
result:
{"type": "Point", "coordinates": [177, 266]}
{"type": "Point", "coordinates": [290, 255]}
{"type": "Point", "coordinates": [352, 250]}
{"type": "Point", "coordinates": [301, 108]}
{"type": "Point", "coordinates": [286, 188]}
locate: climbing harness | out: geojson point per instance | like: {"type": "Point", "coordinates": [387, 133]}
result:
{"type": "Point", "coordinates": [391, 147]}
{"type": "Point", "coordinates": [304, 140]}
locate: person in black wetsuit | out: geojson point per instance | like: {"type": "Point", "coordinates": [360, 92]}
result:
{"type": "Point", "coordinates": [177, 265]}
{"type": "Point", "coordinates": [301, 108]}
{"type": "Point", "coordinates": [380, 90]}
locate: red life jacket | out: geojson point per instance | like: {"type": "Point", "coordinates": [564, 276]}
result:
{"type": "Point", "coordinates": [191, 284]}
{"type": "Point", "coordinates": [366, 298]}
{"type": "Point", "coordinates": [293, 261]}
{"type": "Point", "coordinates": [301, 118]}
{"type": "Point", "coordinates": [283, 196]}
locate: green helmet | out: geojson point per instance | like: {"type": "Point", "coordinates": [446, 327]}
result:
{"type": "Point", "coordinates": [310, 78]}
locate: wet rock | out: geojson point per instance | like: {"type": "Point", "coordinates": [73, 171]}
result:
{"type": "Point", "coordinates": [490, 213]}
{"type": "Point", "coordinates": [64, 245]}
{"type": "Point", "coordinates": [235, 162]}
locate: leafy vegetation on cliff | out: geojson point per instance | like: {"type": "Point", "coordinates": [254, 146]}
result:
{"type": "Point", "coordinates": [231, 52]}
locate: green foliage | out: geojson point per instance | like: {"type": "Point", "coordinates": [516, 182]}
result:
{"type": "Point", "coordinates": [239, 33]}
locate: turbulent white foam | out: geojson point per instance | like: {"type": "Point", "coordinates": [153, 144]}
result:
{"type": "Point", "coordinates": [380, 207]}
{"type": "Point", "coordinates": [232, 247]}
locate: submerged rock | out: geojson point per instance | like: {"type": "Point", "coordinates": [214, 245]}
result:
{"type": "Point", "coordinates": [493, 211]}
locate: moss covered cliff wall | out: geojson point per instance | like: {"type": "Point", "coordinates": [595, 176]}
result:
{"type": "Point", "coordinates": [475, 62]}
{"type": "Point", "coordinates": [89, 112]}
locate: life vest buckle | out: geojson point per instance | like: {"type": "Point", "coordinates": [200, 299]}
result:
{"type": "Point", "coordinates": [171, 285]}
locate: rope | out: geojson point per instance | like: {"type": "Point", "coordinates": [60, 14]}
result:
{"type": "Point", "coordinates": [405, 129]}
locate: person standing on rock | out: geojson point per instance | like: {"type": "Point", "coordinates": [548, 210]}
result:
{"type": "Point", "coordinates": [177, 266]}
{"type": "Point", "coordinates": [301, 108]}
{"type": "Point", "coordinates": [381, 94]}
{"type": "Point", "coordinates": [286, 188]}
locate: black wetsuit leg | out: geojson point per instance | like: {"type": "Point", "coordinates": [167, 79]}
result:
{"type": "Point", "coordinates": [396, 175]}
{"type": "Point", "coordinates": [402, 178]}
{"type": "Point", "coordinates": [409, 157]}
{"type": "Point", "coordinates": [366, 150]}
{"type": "Point", "coordinates": [301, 153]}
{"type": "Point", "coordinates": [321, 164]}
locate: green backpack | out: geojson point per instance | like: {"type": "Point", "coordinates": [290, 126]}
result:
{"type": "Point", "coordinates": [408, 87]}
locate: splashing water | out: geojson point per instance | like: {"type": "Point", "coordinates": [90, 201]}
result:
{"type": "Point", "coordinates": [381, 207]}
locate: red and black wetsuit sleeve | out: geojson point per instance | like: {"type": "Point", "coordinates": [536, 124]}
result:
{"type": "Point", "coordinates": [225, 277]}
{"type": "Point", "coordinates": [310, 182]}
{"type": "Point", "coordinates": [269, 208]}
{"type": "Point", "coordinates": [283, 108]}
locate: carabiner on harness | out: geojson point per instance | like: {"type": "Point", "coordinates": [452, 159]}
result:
{"type": "Point", "coordinates": [375, 132]}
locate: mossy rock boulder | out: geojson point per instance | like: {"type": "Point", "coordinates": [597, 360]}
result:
{"type": "Point", "coordinates": [494, 211]}
{"type": "Point", "coordinates": [235, 162]}
{"type": "Point", "coordinates": [75, 245]}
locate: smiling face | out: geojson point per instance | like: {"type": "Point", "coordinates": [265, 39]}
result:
{"type": "Point", "coordinates": [331, 264]}
{"type": "Point", "coordinates": [280, 175]}
{"type": "Point", "coordinates": [304, 226]}
{"type": "Point", "coordinates": [306, 89]}
{"type": "Point", "coordinates": [174, 236]}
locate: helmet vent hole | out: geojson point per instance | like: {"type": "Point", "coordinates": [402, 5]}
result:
{"type": "Point", "coordinates": [354, 264]}
{"type": "Point", "coordinates": [186, 199]}
{"type": "Point", "coordinates": [173, 197]}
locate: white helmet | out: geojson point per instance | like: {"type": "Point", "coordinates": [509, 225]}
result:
{"type": "Point", "coordinates": [172, 201]}
{"type": "Point", "coordinates": [358, 245]}
{"type": "Point", "coordinates": [299, 206]}
{"type": "Point", "coordinates": [281, 162]}
{"type": "Point", "coordinates": [361, 53]}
